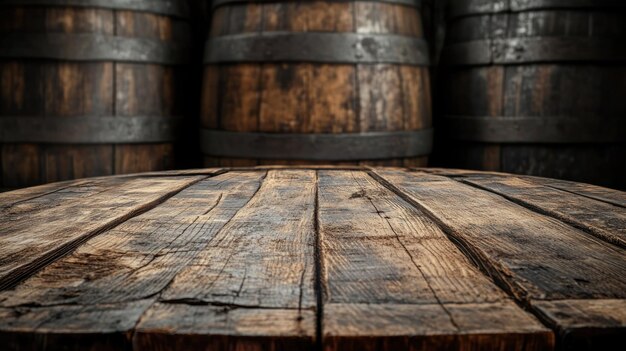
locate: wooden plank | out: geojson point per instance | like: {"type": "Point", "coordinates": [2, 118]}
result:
{"type": "Point", "coordinates": [125, 267]}
{"type": "Point", "coordinates": [599, 193]}
{"type": "Point", "coordinates": [27, 243]}
{"type": "Point", "coordinates": [601, 324]}
{"type": "Point", "coordinates": [40, 200]}
{"type": "Point", "coordinates": [168, 326]}
{"type": "Point", "coordinates": [387, 264]}
{"type": "Point", "coordinates": [103, 327]}
{"type": "Point", "coordinates": [11, 197]}
{"type": "Point", "coordinates": [261, 262]}
{"type": "Point", "coordinates": [534, 257]}
{"type": "Point", "coordinates": [611, 196]}
{"type": "Point", "coordinates": [60, 192]}
{"type": "Point", "coordinates": [603, 220]}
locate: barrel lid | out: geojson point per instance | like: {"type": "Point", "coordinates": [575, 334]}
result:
{"type": "Point", "coordinates": [461, 8]}
{"type": "Point", "coordinates": [218, 3]}
{"type": "Point", "coordinates": [174, 8]}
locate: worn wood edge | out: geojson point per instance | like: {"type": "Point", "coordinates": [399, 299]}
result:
{"type": "Point", "coordinates": [419, 327]}
{"type": "Point", "coordinates": [15, 276]}
{"type": "Point", "coordinates": [585, 324]}
{"type": "Point", "coordinates": [184, 326]}
{"type": "Point", "coordinates": [611, 239]}
{"type": "Point", "coordinates": [558, 184]}
{"type": "Point", "coordinates": [16, 196]}
{"type": "Point", "coordinates": [50, 188]}
{"type": "Point", "coordinates": [95, 327]}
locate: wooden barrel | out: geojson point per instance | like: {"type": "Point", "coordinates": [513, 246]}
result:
{"type": "Point", "coordinates": [289, 258]}
{"type": "Point", "coordinates": [289, 82]}
{"type": "Point", "coordinates": [89, 87]}
{"type": "Point", "coordinates": [537, 87]}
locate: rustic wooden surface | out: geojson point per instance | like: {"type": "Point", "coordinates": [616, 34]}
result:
{"type": "Point", "coordinates": [61, 89]}
{"type": "Point", "coordinates": [311, 97]}
{"type": "Point", "coordinates": [313, 258]}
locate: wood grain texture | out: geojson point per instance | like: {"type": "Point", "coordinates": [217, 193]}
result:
{"type": "Point", "coordinates": [10, 198]}
{"type": "Point", "coordinates": [143, 251]}
{"type": "Point", "coordinates": [610, 196]}
{"type": "Point", "coordinates": [25, 204]}
{"type": "Point", "coordinates": [597, 324]}
{"type": "Point", "coordinates": [617, 198]}
{"type": "Point", "coordinates": [205, 327]}
{"type": "Point", "coordinates": [385, 262]}
{"type": "Point", "coordinates": [262, 261]}
{"type": "Point", "coordinates": [535, 258]}
{"type": "Point", "coordinates": [312, 258]}
{"type": "Point", "coordinates": [310, 97]}
{"type": "Point", "coordinates": [102, 327]}
{"type": "Point", "coordinates": [132, 262]}
{"type": "Point", "coordinates": [427, 327]}
{"type": "Point", "coordinates": [30, 241]}
{"type": "Point", "coordinates": [603, 220]}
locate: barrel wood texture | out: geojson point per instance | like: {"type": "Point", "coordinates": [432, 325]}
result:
{"type": "Point", "coordinates": [316, 82]}
{"type": "Point", "coordinates": [536, 87]}
{"type": "Point", "coordinates": [313, 258]}
{"type": "Point", "coordinates": [89, 88]}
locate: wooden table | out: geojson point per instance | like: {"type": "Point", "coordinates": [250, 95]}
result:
{"type": "Point", "coordinates": [309, 259]}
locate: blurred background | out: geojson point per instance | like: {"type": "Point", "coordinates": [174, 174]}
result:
{"type": "Point", "coordinates": [103, 87]}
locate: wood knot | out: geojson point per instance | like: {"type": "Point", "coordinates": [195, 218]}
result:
{"type": "Point", "coordinates": [358, 194]}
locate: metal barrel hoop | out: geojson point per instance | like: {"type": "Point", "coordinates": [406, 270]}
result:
{"type": "Point", "coordinates": [464, 8]}
{"type": "Point", "coordinates": [89, 129]}
{"type": "Point", "coordinates": [304, 47]}
{"type": "Point", "coordinates": [326, 147]}
{"type": "Point", "coordinates": [550, 129]}
{"type": "Point", "coordinates": [534, 50]}
{"type": "Point", "coordinates": [90, 47]}
{"type": "Point", "coordinates": [219, 3]}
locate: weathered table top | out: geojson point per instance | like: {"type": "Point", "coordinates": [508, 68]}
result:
{"type": "Point", "coordinates": [294, 259]}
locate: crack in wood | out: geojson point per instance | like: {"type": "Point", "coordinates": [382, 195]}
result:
{"type": "Point", "coordinates": [320, 278]}
{"type": "Point", "coordinates": [419, 269]}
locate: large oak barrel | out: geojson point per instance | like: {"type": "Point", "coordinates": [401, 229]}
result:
{"type": "Point", "coordinates": [290, 82]}
{"type": "Point", "coordinates": [537, 87]}
{"type": "Point", "coordinates": [89, 87]}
